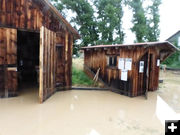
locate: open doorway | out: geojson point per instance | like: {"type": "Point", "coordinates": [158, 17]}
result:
{"type": "Point", "coordinates": [28, 60]}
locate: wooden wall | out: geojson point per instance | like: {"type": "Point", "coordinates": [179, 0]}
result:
{"type": "Point", "coordinates": [2, 82]}
{"type": "Point", "coordinates": [64, 52]}
{"type": "Point", "coordinates": [60, 56]}
{"type": "Point", "coordinates": [30, 15]}
{"type": "Point", "coordinates": [8, 58]}
{"type": "Point", "coordinates": [97, 58]}
{"type": "Point", "coordinates": [47, 63]}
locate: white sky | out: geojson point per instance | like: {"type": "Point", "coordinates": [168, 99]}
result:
{"type": "Point", "coordinates": [169, 20]}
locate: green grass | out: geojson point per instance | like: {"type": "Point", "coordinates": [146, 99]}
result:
{"type": "Point", "coordinates": [79, 78]}
{"type": "Point", "coordinates": [174, 65]}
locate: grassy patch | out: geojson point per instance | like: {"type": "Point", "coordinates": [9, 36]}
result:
{"type": "Point", "coordinates": [79, 78]}
{"type": "Point", "coordinates": [174, 65]}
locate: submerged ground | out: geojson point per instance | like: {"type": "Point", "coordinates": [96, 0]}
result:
{"type": "Point", "coordinates": [92, 112]}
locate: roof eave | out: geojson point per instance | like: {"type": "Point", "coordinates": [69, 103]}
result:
{"type": "Point", "coordinates": [173, 35]}
{"type": "Point", "coordinates": [74, 31]}
{"type": "Point", "coordinates": [174, 48]}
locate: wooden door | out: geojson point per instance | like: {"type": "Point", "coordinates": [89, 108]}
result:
{"type": "Point", "coordinates": [47, 64]}
{"type": "Point", "coordinates": [142, 77]}
{"type": "Point", "coordinates": [151, 72]}
{"type": "Point", "coordinates": [8, 62]}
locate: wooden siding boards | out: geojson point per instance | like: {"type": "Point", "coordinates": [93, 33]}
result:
{"type": "Point", "coordinates": [2, 83]}
{"type": "Point", "coordinates": [47, 68]}
{"type": "Point", "coordinates": [8, 58]}
{"type": "Point", "coordinates": [66, 59]}
{"type": "Point", "coordinates": [138, 83]}
{"type": "Point", "coordinates": [31, 15]}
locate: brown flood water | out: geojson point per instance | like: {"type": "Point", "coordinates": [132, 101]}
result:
{"type": "Point", "coordinates": [91, 112]}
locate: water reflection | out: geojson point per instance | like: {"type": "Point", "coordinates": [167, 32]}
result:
{"type": "Point", "coordinates": [93, 132]}
{"type": "Point", "coordinates": [164, 112]}
{"type": "Point", "coordinates": [71, 107]}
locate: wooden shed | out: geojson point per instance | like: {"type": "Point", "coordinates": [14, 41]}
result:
{"type": "Point", "coordinates": [36, 45]}
{"type": "Point", "coordinates": [132, 69]}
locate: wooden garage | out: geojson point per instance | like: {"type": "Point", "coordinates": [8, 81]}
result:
{"type": "Point", "coordinates": [36, 45]}
{"type": "Point", "coordinates": [132, 69]}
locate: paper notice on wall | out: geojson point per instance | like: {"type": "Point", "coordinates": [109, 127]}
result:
{"type": "Point", "coordinates": [128, 64]}
{"type": "Point", "coordinates": [158, 62]}
{"type": "Point", "coordinates": [124, 75]}
{"type": "Point", "coordinates": [121, 63]}
{"type": "Point", "coordinates": [141, 67]}
{"type": "Point", "coordinates": [107, 60]}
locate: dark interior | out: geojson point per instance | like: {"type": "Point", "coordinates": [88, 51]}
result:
{"type": "Point", "coordinates": [28, 57]}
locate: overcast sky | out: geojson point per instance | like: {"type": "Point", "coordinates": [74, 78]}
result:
{"type": "Point", "coordinates": [170, 18]}
{"type": "Point", "coordinates": [169, 21]}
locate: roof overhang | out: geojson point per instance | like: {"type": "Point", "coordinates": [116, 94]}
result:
{"type": "Point", "coordinates": [165, 47]}
{"type": "Point", "coordinates": [178, 32]}
{"type": "Point", "coordinates": [146, 44]}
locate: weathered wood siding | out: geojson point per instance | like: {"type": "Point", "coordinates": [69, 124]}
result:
{"type": "Point", "coordinates": [47, 63]}
{"type": "Point", "coordinates": [8, 58]}
{"type": "Point", "coordinates": [136, 84]}
{"type": "Point", "coordinates": [64, 52]}
{"type": "Point", "coordinates": [2, 82]}
{"type": "Point", "coordinates": [154, 72]}
{"type": "Point", "coordinates": [60, 57]}
{"type": "Point", "coordinates": [8, 46]}
{"type": "Point", "coordinates": [31, 15]}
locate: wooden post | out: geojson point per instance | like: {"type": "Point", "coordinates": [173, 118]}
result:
{"type": "Point", "coordinates": [70, 67]}
{"type": "Point", "coordinates": [66, 59]}
{"type": "Point", "coordinates": [6, 61]}
{"type": "Point", "coordinates": [55, 60]}
{"type": "Point", "coordinates": [147, 75]}
{"type": "Point", "coordinates": [41, 65]}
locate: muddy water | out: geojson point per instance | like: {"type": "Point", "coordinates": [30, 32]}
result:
{"type": "Point", "coordinates": [86, 113]}
{"type": "Point", "coordinates": [170, 89]}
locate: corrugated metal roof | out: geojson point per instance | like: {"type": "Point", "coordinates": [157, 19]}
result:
{"type": "Point", "coordinates": [135, 44]}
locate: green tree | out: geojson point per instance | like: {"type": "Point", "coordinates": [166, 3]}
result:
{"type": "Point", "coordinates": [174, 60]}
{"type": "Point", "coordinates": [119, 15]}
{"type": "Point", "coordinates": [84, 19]}
{"type": "Point", "coordinates": [153, 21]}
{"type": "Point", "coordinates": [109, 20]}
{"type": "Point", "coordinates": [139, 20]}
{"type": "Point", "coordinates": [58, 4]}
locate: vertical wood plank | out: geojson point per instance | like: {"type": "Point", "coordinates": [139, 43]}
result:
{"type": "Point", "coordinates": [66, 59]}
{"type": "Point", "coordinates": [45, 63]}
{"type": "Point", "coordinates": [41, 65]}
{"type": "Point", "coordinates": [47, 58]}
{"type": "Point", "coordinates": [52, 62]}
{"type": "Point", "coordinates": [55, 59]}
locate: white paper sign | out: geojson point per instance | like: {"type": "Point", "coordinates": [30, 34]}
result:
{"type": "Point", "coordinates": [141, 67]}
{"type": "Point", "coordinates": [128, 64]}
{"type": "Point", "coordinates": [124, 75]}
{"type": "Point", "coordinates": [107, 58]}
{"type": "Point", "coordinates": [121, 63]}
{"type": "Point", "coordinates": [158, 62]}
